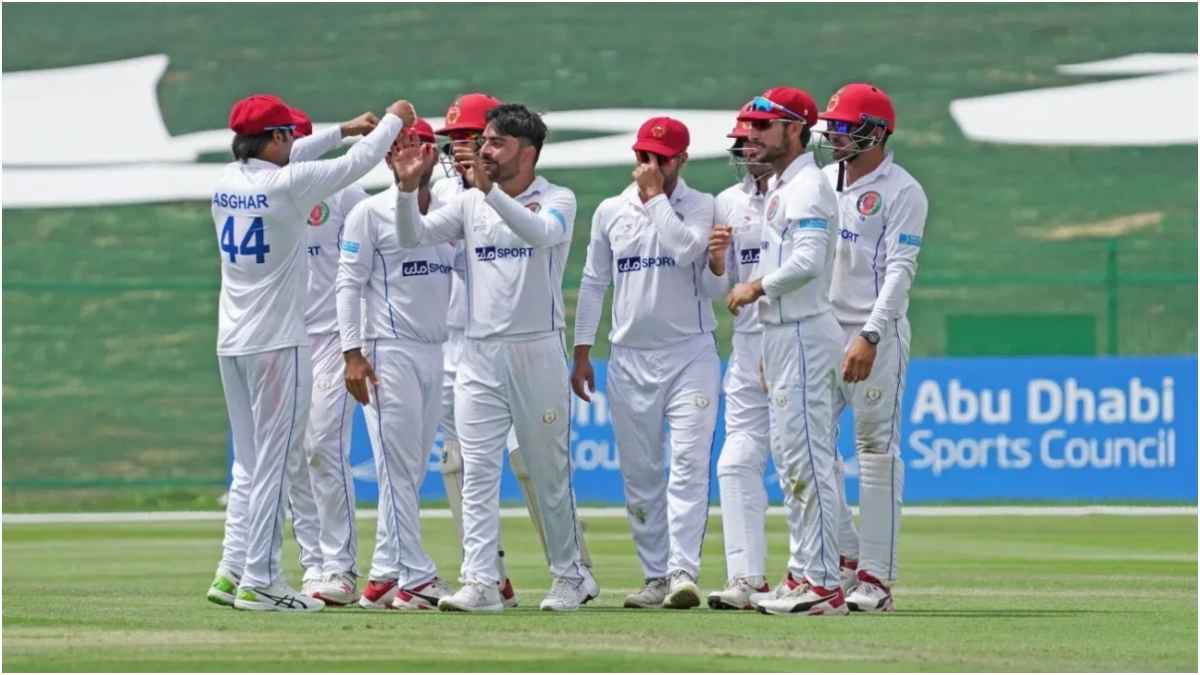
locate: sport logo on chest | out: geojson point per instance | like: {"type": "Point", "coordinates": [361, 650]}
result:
{"type": "Point", "coordinates": [415, 268]}
{"type": "Point", "coordinates": [319, 215]}
{"type": "Point", "coordinates": [749, 256]}
{"type": "Point", "coordinates": [869, 203]}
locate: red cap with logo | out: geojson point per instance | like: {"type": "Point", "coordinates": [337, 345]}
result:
{"type": "Point", "coordinates": [468, 113]}
{"type": "Point", "coordinates": [422, 130]}
{"type": "Point", "coordinates": [779, 103]}
{"type": "Point", "coordinates": [302, 122]}
{"type": "Point", "coordinates": [741, 128]}
{"type": "Point", "coordinates": [664, 136]}
{"type": "Point", "coordinates": [259, 112]}
{"type": "Point", "coordinates": [854, 103]}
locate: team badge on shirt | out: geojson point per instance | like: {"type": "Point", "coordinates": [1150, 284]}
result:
{"type": "Point", "coordinates": [869, 203]}
{"type": "Point", "coordinates": [318, 215]}
{"type": "Point", "coordinates": [773, 208]}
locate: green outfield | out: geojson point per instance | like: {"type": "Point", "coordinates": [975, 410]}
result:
{"type": "Point", "coordinates": [1109, 593]}
{"type": "Point", "coordinates": [111, 393]}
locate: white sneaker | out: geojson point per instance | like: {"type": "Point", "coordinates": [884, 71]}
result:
{"type": "Point", "coordinates": [337, 589]}
{"type": "Point", "coordinates": [810, 600]}
{"type": "Point", "coordinates": [422, 596]}
{"type": "Point", "coordinates": [278, 597]}
{"type": "Point", "coordinates": [379, 594]}
{"type": "Point", "coordinates": [223, 590]}
{"type": "Point", "coordinates": [567, 595]}
{"type": "Point", "coordinates": [786, 585]}
{"type": "Point", "coordinates": [848, 569]}
{"type": "Point", "coordinates": [870, 595]}
{"type": "Point", "coordinates": [651, 596]}
{"type": "Point", "coordinates": [737, 594]}
{"type": "Point", "coordinates": [310, 585]}
{"type": "Point", "coordinates": [683, 593]}
{"type": "Point", "coordinates": [473, 597]}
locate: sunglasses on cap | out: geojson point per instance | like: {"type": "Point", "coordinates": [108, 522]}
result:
{"type": "Point", "coordinates": [764, 104]}
{"type": "Point", "coordinates": [290, 128]}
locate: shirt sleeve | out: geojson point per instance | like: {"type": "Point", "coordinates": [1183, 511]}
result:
{"type": "Point", "coordinates": [810, 210]}
{"type": "Point", "coordinates": [441, 225]}
{"type": "Point", "coordinates": [354, 269]}
{"type": "Point", "coordinates": [686, 240]}
{"type": "Point", "coordinates": [597, 274]}
{"type": "Point", "coordinates": [906, 225]}
{"type": "Point", "coordinates": [314, 146]}
{"type": "Point", "coordinates": [313, 181]}
{"type": "Point", "coordinates": [551, 225]}
{"type": "Point", "coordinates": [711, 285]}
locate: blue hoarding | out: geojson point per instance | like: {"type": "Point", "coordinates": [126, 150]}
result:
{"type": "Point", "coordinates": [1046, 428]}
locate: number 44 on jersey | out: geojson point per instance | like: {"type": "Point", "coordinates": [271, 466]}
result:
{"type": "Point", "coordinates": [253, 241]}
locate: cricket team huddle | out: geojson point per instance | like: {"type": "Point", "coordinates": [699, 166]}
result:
{"type": "Point", "coordinates": [439, 304]}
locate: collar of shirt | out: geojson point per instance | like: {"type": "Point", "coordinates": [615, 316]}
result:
{"type": "Point", "coordinates": [680, 193]}
{"type": "Point", "coordinates": [878, 173]}
{"type": "Point", "coordinates": [256, 164]}
{"type": "Point", "coordinates": [537, 187]}
{"type": "Point", "coordinates": [790, 172]}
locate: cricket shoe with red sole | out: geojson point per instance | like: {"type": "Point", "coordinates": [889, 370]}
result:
{"type": "Point", "coordinates": [789, 584]}
{"type": "Point", "coordinates": [422, 596]}
{"type": "Point", "coordinates": [337, 589]}
{"type": "Point", "coordinates": [379, 594]}
{"type": "Point", "coordinates": [808, 600]}
{"type": "Point", "coordinates": [870, 595]}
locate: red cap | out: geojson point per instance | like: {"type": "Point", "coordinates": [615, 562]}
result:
{"type": "Point", "coordinates": [259, 112]}
{"type": "Point", "coordinates": [302, 122]}
{"type": "Point", "coordinates": [795, 100]}
{"type": "Point", "coordinates": [468, 113]}
{"type": "Point", "coordinates": [855, 101]}
{"type": "Point", "coordinates": [741, 128]}
{"type": "Point", "coordinates": [664, 136]}
{"type": "Point", "coordinates": [422, 130]}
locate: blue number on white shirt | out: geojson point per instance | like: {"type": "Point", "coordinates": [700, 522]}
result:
{"type": "Point", "coordinates": [253, 243]}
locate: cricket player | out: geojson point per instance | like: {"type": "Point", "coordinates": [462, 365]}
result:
{"type": "Point", "coordinates": [516, 228]}
{"type": "Point", "coordinates": [464, 124]}
{"type": "Point", "coordinates": [652, 243]}
{"type": "Point", "coordinates": [321, 487]}
{"type": "Point", "coordinates": [883, 211]}
{"type": "Point", "coordinates": [394, 368]}
{"type": "Point", "coordinates": [801, 339]}
{"type": "Point", "coordinates": [259, 208]}
{"type": "Point", "coordinates": [743, 461]}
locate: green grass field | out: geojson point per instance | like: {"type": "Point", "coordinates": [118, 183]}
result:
{"type": "Point", "coordinates": [1108, 593]}
{"type": "Point", "coordinates": [111, 394]}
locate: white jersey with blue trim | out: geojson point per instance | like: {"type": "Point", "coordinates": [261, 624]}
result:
{"type": "Point", "coordinates": [656, 257]}
{"type": "Point", "coordinates": [796, 261]}
{"type": "Point", "coordinates": [882, 228]}
{"type": "Point", "coordinates": [259, 211]}
{"type": "Point", "coordinates": [441, 193]}
{"type": "Point", "coordinates": [406, 289]}
{"type": "Point", "coordinates": [740, 207]}
{"type": "Point", "coordinates": [515, 253]}
{"type": "Point", "coordinates": [326, 223]}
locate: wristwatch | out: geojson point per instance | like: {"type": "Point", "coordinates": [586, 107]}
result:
{"type": "Point", "coordinates": [870, 336]}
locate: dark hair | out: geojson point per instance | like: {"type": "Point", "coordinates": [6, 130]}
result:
{"type": "Point", "coordinates": [514, 119]}
{"type": "Point", "coordinates": [249, 147]}
{"type": "Point", "coordinates": [805, 135]}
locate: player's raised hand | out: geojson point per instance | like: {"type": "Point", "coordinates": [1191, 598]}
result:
{"type": "Point", "coordinates": [360, 376]}
{"type": "Point", "coordinates": [360, 126]}
{"type": "Point", "coordinates": [860, 357]}
{"type": "Point", "coordinates": [649, 176]}
{"type": "Point", "coordinates": [405, 111]}
{"type": "Point", "coordinates": [409, 164]}
{"type": "Point", "coordinates": [469, 156]}
{"type": "Point", "coordinates": [583, 377]}
{"type": "Point", "coordinates": [718, 243]}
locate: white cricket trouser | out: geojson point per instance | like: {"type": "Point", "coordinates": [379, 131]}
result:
{"type": "Point", "coordinates": [402, 420]}
{"type": "Point", "coordinates": [322, 486]}
{"type": "Point", "coordinates": [680, 384]}
{"type": "Point", "coordinates": [799, 361]}
{"type": "Point", "coordinates": [523, 385]}
{"type": "Point", "coordinates": [876, 406]}
{"type": "Point", "coordinates": [742, 465]}
{"type": "Point", "coordinates": [267, 396]}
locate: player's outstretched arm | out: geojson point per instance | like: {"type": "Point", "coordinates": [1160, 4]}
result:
{"type": "Point", "coordinates": [552, 225]}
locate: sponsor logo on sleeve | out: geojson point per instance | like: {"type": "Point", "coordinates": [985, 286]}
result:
{"type": "Point", "coordinates": [350, 246]}
{"type": "Point", "coordinates": [910, 240]}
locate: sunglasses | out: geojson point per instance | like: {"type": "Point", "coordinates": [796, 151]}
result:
{"type": "Point", "coordinates": [764, 104]}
